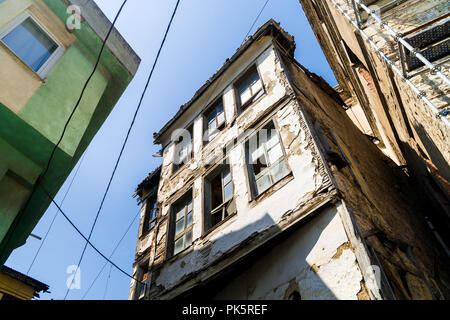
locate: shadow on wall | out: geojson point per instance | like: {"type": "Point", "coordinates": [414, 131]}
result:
{"type": "Point", "coordinates": [281, 268]}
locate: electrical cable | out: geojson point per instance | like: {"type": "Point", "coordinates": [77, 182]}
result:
{"type": "Point", "coordinates": [84, 237]}
{"type": "Point", "coordinates": [256, 19]}
{"type": "Point", "coordinates": [56, 213]}
{"type": "Point", "coordinates": [126, 138]}
{"type": "Point", "coordinates": [111, 255]}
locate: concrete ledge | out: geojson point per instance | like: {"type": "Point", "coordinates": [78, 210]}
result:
{"type": "Point", "coordinates": [97, 20]}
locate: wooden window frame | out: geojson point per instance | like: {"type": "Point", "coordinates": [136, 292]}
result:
{"type": "Point", "coordinates": [254, 95]}
{"type": "Point", "coordinates": [218, 170]}
{"type": "Point", "coordinates": [252, 178]}
{"type": "Point", "coordinates": [182, 161]}
{"type": "Point", "coordinates": [149, 224]}
{"type": "Point", "coordinates": [219, 125]}
{"type": "Point", "coordinates": [185, 198]}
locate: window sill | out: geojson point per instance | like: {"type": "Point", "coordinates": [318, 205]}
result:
{"type": "Point", "coordinates": [274, 188]}
{"type": "Point", "coordinates": [253, 100]}
{"type": "Point", "coordinates": [146, 233]}
{"type": "Point", "coordinates": [213, 230]}
{"type": "Point", "coordinates": [181, 254]}
{"type": "Point", "coordinates": [181, 168]}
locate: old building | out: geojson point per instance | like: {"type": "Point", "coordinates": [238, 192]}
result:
{"type": "Point", "coordinates": [268, 190]}
{"type": "Point", "coordinates": [390, 58]}
{"type": "Point", "coordinates": [17, 286]}
{"type": "Point", "coordinates": [48, 49]}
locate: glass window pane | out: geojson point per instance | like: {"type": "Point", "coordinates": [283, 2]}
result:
{"type": "Point", "coordinates": [221, 118]}
{"type": "Point", "coordinates": [220, 108]}
{"type": "Point", "coordinates": [228, 191]}
{"type": "Point", "coordinates": [31, 44]}
{"type": "Point", "coordinates": [212, 116]}
{"type": "Point", "coordinates": [180, 213]}
{"type": "Point", "coordinates": [275, 154]}
{"type": "Point", "coordinates": [188, 241]}
{"type": "Point", "coordinates": [178, 245]}
{"type": "Point", "coordinates": [189, 220]}
{"type": "Point", "coordinates": [231, 208]}
{"type": "Point", "coordinates": [179, 226]}
{"type": "Point", "coordinates": [263, 183]}
{"type": "Point", "coordinates": [226, 175]}
{"type": "Point", "coordinates": [212, 125]}
{"type": "Point", "coordinates": [256, 86]}
{"type": "Point", "coordinates": [245, 96]}
{"type": "Point", "coordinates": [258, 153]}
{"type": "Point", "coordinates": [253, 77]}
{"type": "Point", "coordinates": [189, 207]}
{"type": "Point", "coordinates": [280, 171]}
{"type": "Point", "coordinates": [272, 138]}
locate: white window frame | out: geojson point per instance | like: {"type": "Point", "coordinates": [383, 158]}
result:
{"type": "Point", "coordinates": [266, 171]}
{"type": "Point", "coordinates": [222, 208]}
{"type": "Point", "coordinates": [45, 69]}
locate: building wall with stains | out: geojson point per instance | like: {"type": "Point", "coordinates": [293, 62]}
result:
{"type": "Point", "coordinates": [388, 215]}
{"type": "Point", "coordinates": [409, 132]}
{"type": "Point", "coordinates": [315, 231]}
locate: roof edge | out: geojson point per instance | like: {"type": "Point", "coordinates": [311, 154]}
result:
{"type": "Point", "coordinates": [271, 28]}
{"type": "Point", "coordinates": [100, 24]}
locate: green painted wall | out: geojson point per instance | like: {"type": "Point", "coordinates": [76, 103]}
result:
{"type": "Point", "coordinates": [34, 131]}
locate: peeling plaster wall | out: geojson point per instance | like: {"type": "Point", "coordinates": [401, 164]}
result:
{"type": "Point", "coordinates": [404, 120]}
{"type": "Point", "coordinates": [256, 220]}
{"type": "Point", "coordinates": [386, 209]}
{"type": "Point", "coordinates": [316, 259]}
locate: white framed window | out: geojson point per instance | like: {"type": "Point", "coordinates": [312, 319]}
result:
{"type": "Point", "coordinates": [265, 158]}
{"type": "Point", "coordinates": [32, 44]}
{"type": "Point", "coordinates": [214, 120]}
{"type": "Point", "coordinates": [184, 150]}
{"type": "Point", "coordinates": [219, 201]}
{"type": "Point", "coordinates": [183, 222]}
{"type": "Point", "coordinates": [249, 87]}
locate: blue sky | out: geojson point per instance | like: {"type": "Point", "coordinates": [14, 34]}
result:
{"type": "Point", "coordinates": [203, 35]}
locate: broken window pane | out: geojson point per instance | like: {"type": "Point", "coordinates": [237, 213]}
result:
{"type": "Point", "coordinates": [270, 166]}
{"type": "Point", "coordinates": [263, 183]}
{"type": "Point", "coordinates": [249, 86]}
{"type": "Point", "coordinates": [280, 171]}
{"type": "Point", "coordinates": [275, 154]}
{"type": "Point", "coordinates": [219, 192]}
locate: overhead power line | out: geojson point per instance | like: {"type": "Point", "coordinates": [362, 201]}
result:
{"type": "Point", "coordinates": [111, 255]}
{"type": "Point", "coordinates": [111, 28]}
{"type": "Point", "coordinates": [84, 237]}
{"type": "Point", "coordinates": [56, 213]}
{"type": "Point", "coordinates": [128, 133]}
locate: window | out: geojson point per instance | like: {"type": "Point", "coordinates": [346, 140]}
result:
{"type": "Point", "coordinates": [151, 213]}
{"type": "Point", "coordinates": [214, 120]}
{"type": "Point", "coordinates": [182, 216]}
{"type": "Point", "coordinates": [32, 44]}
{"type": "Point", "coordinates": [184, 149]}
{"type": "Point", "coordinates": [141, 287]}
{"type": "Point", "coordinates": [433, 43]}
{"type": "Point", "coordinates": [219, 202]}
{"type": "Point", "coordinates": [249, 87]}
{"type": "Point", "coordinates": [265, 159]}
